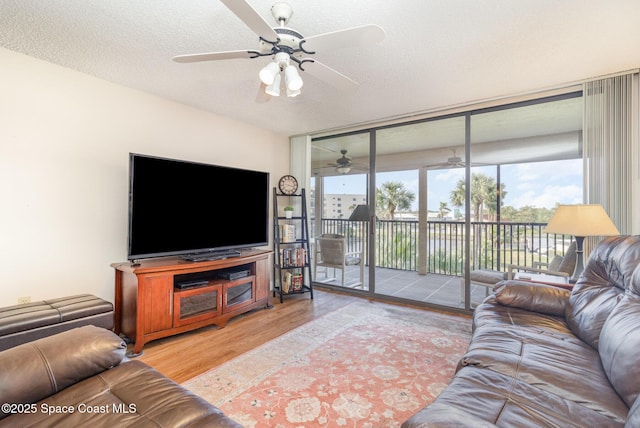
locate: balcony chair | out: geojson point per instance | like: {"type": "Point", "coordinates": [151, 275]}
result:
{"type": "Point", "coordinates": [330, 253]}
{"type": "Point", "coordinates": [559, 266]}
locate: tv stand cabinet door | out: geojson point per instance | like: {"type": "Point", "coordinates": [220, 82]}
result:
{"type": "Point", "coordinates": [262, 280]}
{"type": "Point", "coordinates": [157, 302]}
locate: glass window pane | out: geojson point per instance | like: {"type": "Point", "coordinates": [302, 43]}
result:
{"type": "Point", "coordinates": [340, 169]}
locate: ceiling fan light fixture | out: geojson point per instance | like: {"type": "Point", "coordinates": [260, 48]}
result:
{"type": "Point", "coordinates": [292, 94]}
{"type": "Point", "coordinates": [292, 78]}
{"type": "Point", "coordinates": [269, 72]}
{"type": "Point", "coordinates": [274, 88]}
{"type": "Point", "coordinates": [282, 59]}
{"type": "Point", "coordinates": [343, 169]}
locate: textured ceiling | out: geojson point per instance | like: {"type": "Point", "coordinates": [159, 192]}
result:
{"type": "Point", "coordinates": [436, 53]}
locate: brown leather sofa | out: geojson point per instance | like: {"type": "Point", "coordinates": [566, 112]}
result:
{"type": "Point", "coordinates": [544, 356]}
{"type": "Point", "coordinates": [81, 378]}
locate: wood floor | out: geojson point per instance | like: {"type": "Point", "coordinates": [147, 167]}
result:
{"type": "Point", "coordinates": [189, 354]}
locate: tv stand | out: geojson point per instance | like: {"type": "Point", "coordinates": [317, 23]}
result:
{"type": "Point", "coordinates": [161, 297]}
{"type": "Point", "coordinates": [211, 255]}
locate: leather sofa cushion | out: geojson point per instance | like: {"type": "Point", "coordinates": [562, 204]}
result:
{"type": "Point", "coordinates": [619, 348]}
{"type": "Point", "coordinates": [600, 287]}
{"type": "Point", "coordinates": [497, 316]}
{"type": "Point", "coordinates": [555, 364]}
{"type": "Point", "coordinates": [131, 394]}
{"type": "Point", "coordinates": [35, 370]}
{"type": "Point", "coordinates": [481, 398]}
{"type": "Point", "coordinates": [540, 350]}
{"type": "Point", "coordinates": [533, 297]}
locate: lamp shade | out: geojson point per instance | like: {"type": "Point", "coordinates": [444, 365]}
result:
{"type": "Point", "coordinates": [361, 213]}
{"type": "Point", "coordinates": [581, 220]}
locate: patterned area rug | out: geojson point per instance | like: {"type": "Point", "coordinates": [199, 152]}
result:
{"type": "Point", "coordinates": [364, 365]}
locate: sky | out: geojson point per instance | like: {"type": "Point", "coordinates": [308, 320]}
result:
{"type": "Point", "coordinates": [540, 184]}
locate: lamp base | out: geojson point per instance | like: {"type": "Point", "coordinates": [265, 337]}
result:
{"type": "Point", "coordinates": [579, 259]}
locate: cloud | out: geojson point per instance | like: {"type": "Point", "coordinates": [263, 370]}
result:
{"type": "Point", "coordinates": [449, 175]}
{"type": "Point", "coordinates": [546, 197]}
{"type": "Point", "coordinates": [548, 171]}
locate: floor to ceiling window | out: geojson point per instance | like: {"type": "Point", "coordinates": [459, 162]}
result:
{"type": "Point", "coordinates": [340, 180]}
{"type": "Point", "coordinates": [525, 160]}
{"type": "Point", "coordinates": [446, 195]}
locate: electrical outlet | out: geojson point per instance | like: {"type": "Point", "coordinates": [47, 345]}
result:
{"type": "Point", "coordinates": [23, 300]}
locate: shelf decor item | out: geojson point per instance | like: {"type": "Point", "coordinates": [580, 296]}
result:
{"type": "Point", "coordinates": [288, 185]}
{"type": "Point", "coordinates": [288, 211]}
{"type": "Point", "coordinates": [286, 281]}
{"type": "Point", "coordinates": [287, 233]}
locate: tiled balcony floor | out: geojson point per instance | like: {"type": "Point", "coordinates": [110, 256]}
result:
{"type": "Point", "coordinates": [430, 288]}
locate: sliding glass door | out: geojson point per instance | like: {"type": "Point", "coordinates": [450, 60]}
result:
{"type": "Point", "coordinates": [526, 159]}
{"type": "Point", "coordinates": [422, 204]}
{"type": "Point", "coordinates": [340, 182]}
{"type": "Point", "coordinates": [420, 241]}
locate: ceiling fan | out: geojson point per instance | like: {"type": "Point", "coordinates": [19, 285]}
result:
{"type": "Point", "coordinates": [344, 164]}
{"type": "Point", "coordinates": [287, 48]}
{"type": "Point", "coordinates": [453, 161]}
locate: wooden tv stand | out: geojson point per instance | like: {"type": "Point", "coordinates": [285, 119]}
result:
{"type": "Point", "coordinates": [158, 298]}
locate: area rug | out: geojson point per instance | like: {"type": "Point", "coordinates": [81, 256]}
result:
{"type": "Point", "coordinates": [364, 365]}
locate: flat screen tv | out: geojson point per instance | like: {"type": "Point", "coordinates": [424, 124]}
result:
{"type": "Point", "coordinates": [196, 210]}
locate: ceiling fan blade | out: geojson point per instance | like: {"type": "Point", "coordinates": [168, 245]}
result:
{"type": "Point", "coordinates": [252, 19]}
{"type": "Point", "coordinates": [213, 56]}
{"type": "Point", "coordinates": [330, 76]}
{"type": "Point", "coordinates": [356, 36]}
{"type": "Point", "coordinates": [443, 165]}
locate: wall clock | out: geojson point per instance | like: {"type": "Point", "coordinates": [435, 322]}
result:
{"type": "Point", "coordinates": [288, 185]}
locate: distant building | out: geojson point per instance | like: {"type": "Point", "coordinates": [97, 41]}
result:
{"type": "Point", "coordinates": [406, 216]}
{"type": "Point", "coordinates": [341, 206]}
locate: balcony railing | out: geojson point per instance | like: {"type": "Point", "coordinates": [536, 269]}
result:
{"type": "Point", "coordinates": [493, 245]}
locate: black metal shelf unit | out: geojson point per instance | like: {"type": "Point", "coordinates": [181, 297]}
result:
{"type": "Point", "coordinates": [291, 254]}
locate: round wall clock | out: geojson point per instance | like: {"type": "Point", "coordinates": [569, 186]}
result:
{"type": "Point", "coordinates": [288, 185]}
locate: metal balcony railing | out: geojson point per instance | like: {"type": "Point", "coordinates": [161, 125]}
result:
{"type": "Point", "coordinates": [493, 245]}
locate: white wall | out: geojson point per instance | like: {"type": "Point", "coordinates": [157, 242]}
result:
{"type": "Point", "coordinates": [64, 144]}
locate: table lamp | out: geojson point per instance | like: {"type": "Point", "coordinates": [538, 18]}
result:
{"type": "Point", "coordinates": [581, 221]}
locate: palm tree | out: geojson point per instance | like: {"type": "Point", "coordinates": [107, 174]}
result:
{"type": "Point", "coordinates": [392, 196]}
{"type": "Point", "coordinates": [492, 200]}
{"type": "Point", "coordinates": [443, 210]}
{"type": "Point", "coordinates": [483, 193]}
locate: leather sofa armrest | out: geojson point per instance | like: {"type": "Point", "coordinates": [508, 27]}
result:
{"type": "Point", "coordinates": [38, 369]}
{"type": "Point", "coordinates": [541, 298]}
